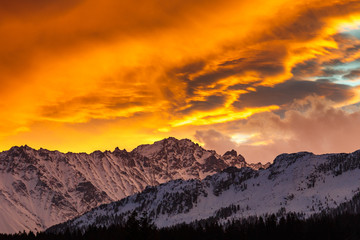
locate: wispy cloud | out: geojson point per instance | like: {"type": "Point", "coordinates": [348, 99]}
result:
{"type": "Point", "coordinates": [309, 124]}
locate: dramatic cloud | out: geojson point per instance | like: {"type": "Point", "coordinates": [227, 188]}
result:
{"type": "Point", "coordinates": [312, 124]}
{"type": "Point", "coordinates": [286, 92]}
{"type": "Point", "coordinates": [85, 74]}
{"type": "Point", "coordinates": [213, 139]}
{"type": "Point", "coordinates": [355, 74]}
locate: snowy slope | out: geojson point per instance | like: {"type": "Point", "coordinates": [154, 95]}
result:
{"type": "Point", "coordinates": [300, 182]}
{"type": "Point", "coordinates": [40, 188]}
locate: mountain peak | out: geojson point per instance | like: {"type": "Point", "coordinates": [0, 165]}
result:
{"type": "Point", "coordinates": [22, 147]}
{"type": "Point", "coordinates": [77, 182]}
{"type": "Point", "coordinates": [117, 149]}
{"type": "Point", "coordinates": [172, 140]}
{"type": "Point", "coordinates": [231, 153]}
{"type": "Point", "coordinates": [290, 158]}
{"type": "Point", "coordinates": [313, 184]}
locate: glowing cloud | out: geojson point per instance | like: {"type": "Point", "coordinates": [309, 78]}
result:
{"type": "Point", "coordinates": [84, 75]}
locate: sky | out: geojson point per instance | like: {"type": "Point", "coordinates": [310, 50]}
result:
{"type": "Point", "coordinates": [261, 77]}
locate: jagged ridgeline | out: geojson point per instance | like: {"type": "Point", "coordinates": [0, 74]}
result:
{"type": "Point", "coordinates": [301, 183]}
{"type": "Point", "coordinates": [40, 188]}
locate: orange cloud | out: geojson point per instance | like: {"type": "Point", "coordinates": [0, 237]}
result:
{"type": "Point", "coordinates": [153, 69]}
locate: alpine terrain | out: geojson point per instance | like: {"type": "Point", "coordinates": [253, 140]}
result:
{"type": "Point", "coordinates": [301, 183]}
{"type": "Point", "coordinates": [40, 188]}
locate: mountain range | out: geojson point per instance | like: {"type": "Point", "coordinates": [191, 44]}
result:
{"type": "Point", "coordinates": [301, 183]}
{"type": "Point", "coordinates": [40, 188]}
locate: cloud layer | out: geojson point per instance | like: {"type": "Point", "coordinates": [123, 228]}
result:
{"type": "Point", "coordinates": [310, 124]}
{"type": "Point", "coordinates": [85, 74]}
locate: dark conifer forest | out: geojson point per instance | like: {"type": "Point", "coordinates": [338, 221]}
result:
{"type": "Point", "coordinates": [292, 226]}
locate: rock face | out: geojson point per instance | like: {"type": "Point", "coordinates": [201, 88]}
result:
{"type": "Point", "coordinates": [301, 182]}
{"type": "Point", "coordinates": [40, 188]}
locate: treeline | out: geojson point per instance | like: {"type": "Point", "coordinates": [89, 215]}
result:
{"type": "Point", "coordinates": [344, 226]}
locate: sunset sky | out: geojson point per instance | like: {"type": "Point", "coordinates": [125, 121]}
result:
{"type": "Point", "coordinates": [261, 77]}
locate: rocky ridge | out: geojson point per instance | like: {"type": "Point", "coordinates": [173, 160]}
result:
{"type": "Point", "coordinates": [40, 188]}
{"type": "Point", "coordinates": [303, 183]}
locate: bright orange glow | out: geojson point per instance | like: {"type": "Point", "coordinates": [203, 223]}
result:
{"type": "Point", "coordinates": [220, 116]}
{"type": "Point", "coordinates": [87, 75]}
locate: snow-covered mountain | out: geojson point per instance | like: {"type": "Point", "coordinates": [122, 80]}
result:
{"type": "Point", "coordinates": [40, 188]}
{"type": "Point", "coordinates": [301, 182]}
